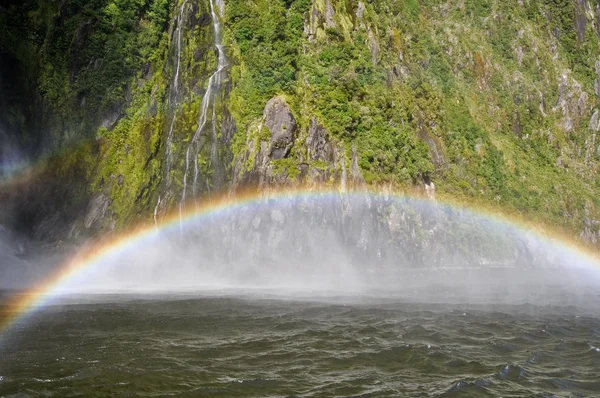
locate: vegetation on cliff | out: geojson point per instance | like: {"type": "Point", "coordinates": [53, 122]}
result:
{"type": "Point", "coordinates": [495, 102]}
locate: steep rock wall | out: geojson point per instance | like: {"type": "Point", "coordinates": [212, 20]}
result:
{"type": "Point", "coordinates": [492, 102]}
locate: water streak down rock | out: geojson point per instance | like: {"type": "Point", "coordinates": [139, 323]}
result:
{"type": "Point", "coordinates": [199, 140]}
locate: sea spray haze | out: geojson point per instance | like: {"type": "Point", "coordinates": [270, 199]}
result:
{"type": "Point", "coordinates": [311, 295]}
{"type": "Point", "coordinates": [122, 122]}
{"type": "Point", "coordinates": [332, 243]}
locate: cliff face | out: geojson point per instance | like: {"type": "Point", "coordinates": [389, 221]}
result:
{"type": "Point", "coordinates": [131, 108]}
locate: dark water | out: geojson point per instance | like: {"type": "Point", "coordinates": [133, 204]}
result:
{"type": "Point", "coordinates": [259, 345]}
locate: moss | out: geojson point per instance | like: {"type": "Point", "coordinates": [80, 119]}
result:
{"type": "Point", "coordinates": [465, 96]}
{"type": "Point", "coordinates": [319, 164]}
{"type": "Point", "coordinates": [287, 166]}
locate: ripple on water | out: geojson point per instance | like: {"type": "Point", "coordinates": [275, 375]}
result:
{"type": "Point", "coordinates": [512, 372]}
{"type": "Point", "coordinates": [213, 347]}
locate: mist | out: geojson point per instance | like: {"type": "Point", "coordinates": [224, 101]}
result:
{"type": "Point", "coordinates": [331, 245]}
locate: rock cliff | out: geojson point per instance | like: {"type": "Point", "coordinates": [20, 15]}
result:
{"type": "Point", "coordinates": [121, 111]}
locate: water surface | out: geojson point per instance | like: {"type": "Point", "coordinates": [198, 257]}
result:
{"type": "Point", "coordinates": [263, 344]}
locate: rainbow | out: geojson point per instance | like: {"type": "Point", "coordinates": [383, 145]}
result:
{"type": "Point", "coordinates": [94, 255]}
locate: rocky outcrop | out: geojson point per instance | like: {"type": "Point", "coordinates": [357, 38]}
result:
{"type": "Point", "coordinates": [591, 231]}
{"type": "Point", "coordinates": [329, 15]}
{"type": "Point", "coordinates": [269, 140]}
{"type": "Point", "coordinates": [318, 144]}
{"type": "Point", "coordinates": [358, 181]}
{"type": "Point", "coordinates": [156, 132]}
{"type": "Point", "coordinates": [97, 209]}
{"type": "Point", "coordinates": [595, 122]}
{"type": "Point", "coordinates": [280, 121]}
{"type": "Point", "coordinates": [572, 102]}
{"type": "Point", "coordinates": [317, 158]}
{"type": "Point", "coordinates": [320, 150]}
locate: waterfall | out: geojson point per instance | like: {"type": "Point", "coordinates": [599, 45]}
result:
{"type": "Point", "coordinates": [179, 26]}
{"type": "Point", "coordinates": [173, 99]}
{"type": "Point", "coordinates": [209, 99]}
{"type": "Point", "coordinates": [156, 213]}
{"type": "Point", "coordinates": [168, 149]}
{"type": "Point", "coordinates": [175, 88]}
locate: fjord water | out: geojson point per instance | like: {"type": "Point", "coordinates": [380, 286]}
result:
{"type": "Point", "coordinates": [258, 345]}
{"type": "Point", "coordinates": [317, 295]}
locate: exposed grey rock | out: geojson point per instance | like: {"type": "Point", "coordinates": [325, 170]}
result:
{"type": "Point", "coordinates": [430, 190]}
{"type": "Point", "coordinates": [79, 41]}
{"type": "Point", "coordinates": [542, 105]}
{"type": "Point", "coordinates": [111, 118]}
{"type": "Point", "coordinates": [580, 19]}
{"type": "Point", "coordinates": [572, 102]}
{"type": "Point", "coordinates": [595, 121]}
{"type": "Point", "coordinates": [436, 147]}
{"type": "Point", "coordinates": [320, 148]}
{"type": "Point", "coordinates": [568, 124]}
{"type": "Point", "coordinates": [360, 10]}
{"type": "Point", "coordinates": [344, 176]}
{"type": "Point", "coordinates": [282, 125]}
{"type": "Point", "coordinates": [96, 209]}
{"type": "Point", "coordinates": [517, 126]}
{"type": "Point", "coordinates": [310, 27]}
{"type": "Point", "coordinates": [590, 233]}
{"type": "Point", "coordinates": [519, 54]}
{"type": "Point", "coordinates": [329, 15]}
{"type": "Point", "coordinates": [374, 47]}
{"type": "Point", "coordinates": [479, 147]}
{"type": "Point", "coordinates": [358, 180]}
{"type": "Point", "coordinates": [318, 144]}
{"type": "Point", "coordinates": [598, 19]}
{"type": "Point", "coordinates": [589, 148]}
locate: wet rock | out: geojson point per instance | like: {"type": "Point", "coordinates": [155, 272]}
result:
{"type": "Point", "coordinates": [374, 47]}
{"type": "Point", "coordinates": [572, 102]}
{"type": "Point", "coordinates": [110, 119]}
{"type": "Point", "coordinates": [517, 126]}
{"type": "Point", "coordinates": [597, 10]}
{"type": "Point", "coordinates": [580, 19]}
{"type": "Point", "coordinates": [282, 125]}
{"type": "Point", "coordinates": [436, 146]}
{"type": "Point", "coordinates": [520, 55]}
{"type": "Point", "coordinates": [9, 244]}
{"type": "Point", "coordinates": [595, 121]}
{"type": "Point", "coordinates": [360, 10]}
{"type": "Point", "coordinates": [318, 143]}
{"type": "Point", "coordinates": [322, 154]}
{"type": "Point", "coordinates": [358, 180]}
{"type": "Point", "coordinates": [79, 42]}
{"type": "Point", "coordinates": [430, 190]}
{"type": "Point", "coordinates": [97, 209]}
{"type": "Point", "coordinates": [329, 15]}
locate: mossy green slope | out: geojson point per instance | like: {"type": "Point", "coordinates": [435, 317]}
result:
{"type": "Point", "coordinates": [495, 102]}
{"type": "Point", "coordinates": [492, 100]}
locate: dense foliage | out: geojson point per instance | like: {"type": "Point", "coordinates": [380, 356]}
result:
{"type": "Point", "coordinates": [491, 100]}
{"type": "Point", "coordinates": [501, 93]}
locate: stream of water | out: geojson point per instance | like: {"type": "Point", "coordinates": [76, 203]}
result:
{"type": "Point", "coordinates": [209, 99]}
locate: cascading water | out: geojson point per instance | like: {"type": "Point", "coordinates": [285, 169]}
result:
{"type": "Point", "coordinates": [214, 83]}
{"type": "Point", "coordinates": [169, 154]}
{"type": "Point", "coordinates": [179, 27]}
{"type": "Point", "coordinates": [174, 92]}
